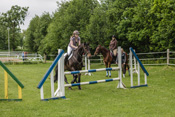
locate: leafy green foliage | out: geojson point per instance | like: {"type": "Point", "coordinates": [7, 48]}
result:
{"type": "Point", "coordinates": [146, 25]}
{"type": "Point", "coordinates": [37, 31]}
{"type": "Point", "coordinates": [12, 19]}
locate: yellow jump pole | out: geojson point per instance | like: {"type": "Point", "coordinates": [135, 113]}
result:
{"type": "Point", "coordinates": [19, 92]}
{"type": "Point", "coordinates": [6, 84]}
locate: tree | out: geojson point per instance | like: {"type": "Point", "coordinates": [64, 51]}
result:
{"type": "Point", "coordinates": [3, 37]}
{"type": "Point", "coordinates": [72, 15]}
{"type": "Point", "coordinates": [12, 19]}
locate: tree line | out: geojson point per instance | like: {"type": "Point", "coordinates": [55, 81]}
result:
{"type": "Point", "coordinates": [146, 25]}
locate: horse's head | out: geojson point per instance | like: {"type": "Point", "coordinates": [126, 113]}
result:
{"type": "Point", "coordinates": [97, 51]}
{"type": "Point", "coordinates": [86, 49]}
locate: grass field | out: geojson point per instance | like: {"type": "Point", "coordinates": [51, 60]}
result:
{"type": "Point", "coordinates": [99, 100]}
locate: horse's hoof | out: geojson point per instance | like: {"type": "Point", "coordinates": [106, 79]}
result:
{"type": "Point", "coordinates": [109, 76]}
{"type": "Point", "coordinates": [106, 75]}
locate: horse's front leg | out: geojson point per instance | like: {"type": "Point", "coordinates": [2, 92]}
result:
{"type": "Point", "coordinates": [79, 80]}
{"type": "Point", "coordinates": [65, 79]}
{"type": "Point", "coordinates": [106, 64]}
{"type": "Point", "coordinates": [109, 65]}
{"type": "Point", "coordinates": [124, 70]}
{"type": "Point", "coordinates": [74, 78]}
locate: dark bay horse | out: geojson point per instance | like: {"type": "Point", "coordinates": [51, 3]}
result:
{"type": "Point", "coordinates": [74, 63]}
{"type": "Point", "coordinates": [108, 59]}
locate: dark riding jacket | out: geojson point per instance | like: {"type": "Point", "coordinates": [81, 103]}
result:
{"type": "Point", "coordinates": [113, 44]}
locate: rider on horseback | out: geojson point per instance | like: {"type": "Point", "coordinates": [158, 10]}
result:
{"type": "Point", "coordinates": [113, 47]}
{"type": "Point", "coordinates": [75, 41]}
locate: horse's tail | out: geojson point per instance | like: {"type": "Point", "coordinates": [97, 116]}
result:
{"type": "Point", "coordinates": [56, 73]}
{"type": "Point", "coordinates": [66, 59]}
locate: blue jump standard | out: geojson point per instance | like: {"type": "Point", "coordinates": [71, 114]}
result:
{"type": "Point", "coordinates": [139, 86]}
{"type": "Point", "coordinates": [143, 68]}
{"type": "Point", "coordinates": [50, 69]}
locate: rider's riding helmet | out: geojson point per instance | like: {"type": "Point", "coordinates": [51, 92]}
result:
{"type": "Point", "coordinates": [114, 36]}
{"type": "Point", "coordinates": [76, 32]}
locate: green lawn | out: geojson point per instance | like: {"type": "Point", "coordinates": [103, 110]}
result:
{"type": "Point", "coordinates": [99, 100]}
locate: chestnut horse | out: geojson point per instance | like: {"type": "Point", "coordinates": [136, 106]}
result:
{"type": "Point", "coordinates": [108, 59]}
{"type": "Point", "coordinates": [74, 63]}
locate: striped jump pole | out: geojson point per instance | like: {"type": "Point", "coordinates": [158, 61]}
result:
{"type": "Point", "coordinates": [92, 70]}
{"type": "Point", "coordinates": [91, 82]}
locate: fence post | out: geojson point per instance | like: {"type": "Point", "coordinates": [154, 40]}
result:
{"type": "Point", "coordinates": [131, 67]}
{"type": "Point", "coordinates": [168, 56]}
{"type": "Point", "coordinates": [45, 57]}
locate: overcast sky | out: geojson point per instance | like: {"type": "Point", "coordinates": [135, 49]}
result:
{"type": "Point", "coordinates": [35, 7]}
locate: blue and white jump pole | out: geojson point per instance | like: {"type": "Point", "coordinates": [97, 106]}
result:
{"type": "Point", "coordinates": [132, 53]}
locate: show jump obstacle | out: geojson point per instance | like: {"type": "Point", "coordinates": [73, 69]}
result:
{"type": "Point", "coordinates": [20, 85]}
{"type": "Point", "coordinates": [60, 92]}
{"type": "Point", "coordinates": [137, 69]}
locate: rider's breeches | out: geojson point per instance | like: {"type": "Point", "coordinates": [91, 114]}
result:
{"type": "Point", "coordinates": [69, 50]}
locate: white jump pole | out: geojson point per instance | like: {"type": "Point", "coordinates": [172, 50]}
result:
{"type": "Point", "coordinates": [87, 65]}
{"type": "Point", "coordinates": [42, 92]}
{"type": "Point", "coordinates": [145, 78]}
{"type": "Point", "coordinates": [131, 67]}
{"type": "Point", "coordinates": [138, 73]}
{"type": "Point", "coordinates": [85, 58]}
{"type": "Point", "coordinates": [120, 84]}
{"type": "Point", "coordinates": [61, 89]}
{"type": "Point", "coordinates": [52, 84]}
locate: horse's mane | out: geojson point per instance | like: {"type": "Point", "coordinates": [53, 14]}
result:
{"type": "Point", "coordinates": [102, 47]}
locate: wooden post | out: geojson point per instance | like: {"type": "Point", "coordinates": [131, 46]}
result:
{"type": "Point", "coordinates": [6, 84]}
{"type": "Point", "coordinates": [45, 57]}
{"type": "Point", "coordinates": [19, 92]}
{"type": "Point", "coordinates": [168, 56]}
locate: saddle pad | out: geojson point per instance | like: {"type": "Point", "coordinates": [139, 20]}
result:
{"type": "Point", "coordinates": [70, 56]}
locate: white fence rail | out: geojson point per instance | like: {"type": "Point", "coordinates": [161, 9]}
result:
{"type": "Point", "coordinates": [19, 56]}
{"type": "Point", "coordinates": [156, 58]}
